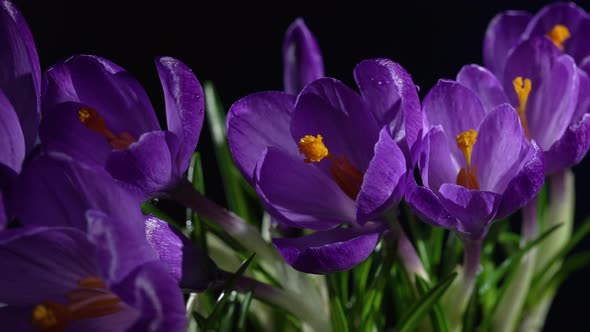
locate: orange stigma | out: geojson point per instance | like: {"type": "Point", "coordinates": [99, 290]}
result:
{"type": "Point", "coordinates": [467, 176]}
{"type": "Point", "coordinates": [522, 87]}
{"type": "Point", "coordinates": [558, 35]}
{"type": "Point", "coordinates": [93, 121]}
{"type": "Point", "coordinates": [91, 300]}
{"type": "Point", "coordinates": [346, 176]}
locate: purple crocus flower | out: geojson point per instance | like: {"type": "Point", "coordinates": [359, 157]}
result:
{"type": "Point", "coordinates": [476, 164]}
{"type": "Point", "coordinates": [20, 77]}
{"type": "Point", "coordinates": [62, 279]}
{"type": "Point", "coordinates": [302, 58]}
{"type": "Point", "coordinates": [550, 93]}
{"type": "Point", "coordinates": [566, 25]}
{"type": "Point", "coordinates": [110, 120]}
{"type": "Point", "coordinates": [327, 158]}
{"type": "Point", "coordinates": [54, 190]}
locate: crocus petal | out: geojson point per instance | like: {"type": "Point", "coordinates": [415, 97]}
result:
{"type": "Point", "coordinates": [302, 58]}
{"type": "Point", "coordinates": [484, 84]}
{"type": "Point", "coordinates": [436, 164]}
{"type": "Point", "coordinates": [474, 209]}
{"type": "Point", "coordinates": [147, 165]}
{"type": "Point", "coordinates": [525, 185]}
{"type": "Point", "coordinates": [12, 144]}
{"type": "Point", "coordinates": [500, 145]}
{"type": "Point", "coordinates": [502, 34]}
{"type": "Point", "coordinates": [555, 86]}
{"type": "Point", "coordinates": [21, 71]}
{"type": "Point", "coordinates": [55, 190]}
{"type": "Point", "coordinates": [121, 247]}
{"type": "Point", "coordinates": [333, 110]}
{"type": "Point", "coordinates": [256, 122]}
{"type": "Point", "coordinates": [573, 17]}
{"type": "Point", "coordinates": [334, 250]}
{"type": "Point", "coordinates": [384, 181]}
{"type": "Point", "coordinates": [61, 131]}
{"type": "Point", "coordinates": [392, 97]}
{"type": "Point", "coordinates": [428, 207]}
{"type": "Point", "coordinates": [299, 194]}
{"type": "Point", "coordinates": [154, 293]}
{"type": "Point", "coordinates": [456, 108]}
{"type": "Point", "coordinates": [40, 263]}
{"type": "Point", "coordinates": [583, 105]}
{"type": "Point", "coordinates": [188, 264]}
{"type": "Point", "coordinates": [185, 106]}
{"type": "Point", "coordinates": [105, 87]}
{"type": "Point", "coordinates": [571, 148]}
{"type": "Point", "coordinates": [118, 321]}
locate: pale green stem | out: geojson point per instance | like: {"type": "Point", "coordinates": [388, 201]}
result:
{"type": "Point", "coordinates": [560, 212]}
{"type": "Point", "coordinates": [317, 320]}
{"type": "Point", "coordinates": [457, 296]}
{"type": "Point", "coordinates": [510, 307]}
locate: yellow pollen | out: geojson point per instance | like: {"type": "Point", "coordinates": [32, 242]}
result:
{"type": "Point", "coordinates": [44, 316]}
{"type": "Point", "coordinates": [313, 148]}
{"type": "Point", "coordinates": [558, 35]}
{"type": "Point", "coordinates": [522, 87]}
{"type": "Point", "coordinates": [465, 142]}
{"type": "Point", "coordinates": [467, 176]}
{"type": "Point", "coordinates": [93, 121]}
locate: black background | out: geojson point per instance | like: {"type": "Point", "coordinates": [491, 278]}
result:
{"type": "Point", "coordinates": [238, 47]}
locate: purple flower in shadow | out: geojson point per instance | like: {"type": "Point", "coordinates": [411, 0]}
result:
{"type": "Point", "coordinates": [110, 121]}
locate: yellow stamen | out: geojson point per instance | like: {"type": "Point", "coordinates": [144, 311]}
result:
{"type": "Point", "coordinates": [50, 317]}
{"type": "Point", "coordinates": [313, 148]}
{"type": "Point", "coordinates": [523, 90]}
{"type": "Point", "coordinates": [346, 176]}
{"type": "Point", "coordinates": [558, 35]}
{"type": "Point", "coordinates": [467, 176]}
{"type": "Point", "coordinates": [91, 300]}
{"type": "Point", "coordinates": [93, 121]}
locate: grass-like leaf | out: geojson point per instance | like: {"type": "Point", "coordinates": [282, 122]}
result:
{"type": "Point", "coordinates": [417, 311]}
{"type": "Point", "coordinates": [438, 317]}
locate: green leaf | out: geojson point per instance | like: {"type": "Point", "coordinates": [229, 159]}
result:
{"type": "Point", "coordinates": [508, 267]}
{"type": "Point", "coordinates": [579, 234]}
{"type": "Point", "coordinates": [197, 227]}
{"type": "Point", "coordinates": [438, 318]}
{"type": "Point", "coordinates": [229, 174]}
{"type": "Point", "coordinates": [339, 322]}
{"type": "Point", "coordinates": [417, 311]}
{"type": "Point", "coordinates": [244, 311]}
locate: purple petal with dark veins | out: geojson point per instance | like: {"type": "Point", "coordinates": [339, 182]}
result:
{"type": "Point", "coordinates": [299, 194]}
{"type": "Point", "coordinates": [256, 122]}
{"type": "Point", "coordinates": [188, 264]}
{"type": "Point", "coordinates": [334, 250]}
{"type": "Point", "coordinates": [185, 106]}
{"type": "Point", "coordinates": [384, 182]}
{"type": "Point", "coordinates": [502, 34]}
{"type": "Point", "coordinates": [302, 58]}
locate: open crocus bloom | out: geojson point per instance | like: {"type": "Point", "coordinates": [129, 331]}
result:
{"type": "Point", "coordinates": [476, 165]}
{"type": "Point", "coordinates": [551, 96]}
{"type": "Point", "coordinates": [566, 25]}
{"type": "Point", "coordinates": [329, 157]}
{"type": "Point", "coordinates": [110, 120]}
{"type": "Point", "coordinates": [60, 279]}
{"type": "Point", "coordinates": [19, 99]}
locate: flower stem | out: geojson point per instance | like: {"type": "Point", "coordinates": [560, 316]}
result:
{"type": "Point", "coordinates": [457, 297]}
{"type": "Point", "coordinates": [560, 211]}
{"type": "Point", "coordinates": [407, 253]}
{"type": "Point", "coordinates": [318, 320]}
{"type": "Point", "coordinates": [511, 305]}
{"type": "Point", "coordinates": [246, 234]}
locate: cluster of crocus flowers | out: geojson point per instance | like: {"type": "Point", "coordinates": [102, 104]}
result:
{"type": "Point", "coordinates": [78, 254]}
